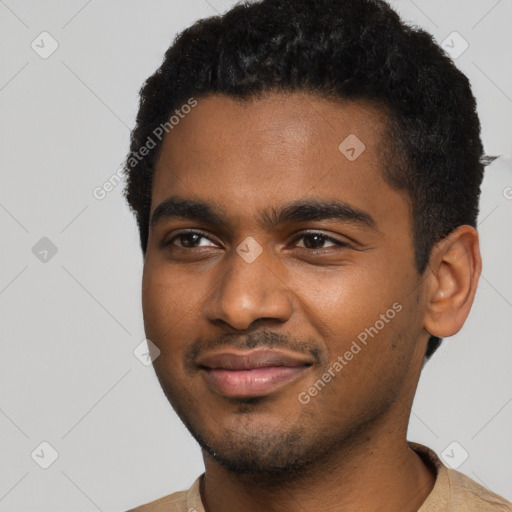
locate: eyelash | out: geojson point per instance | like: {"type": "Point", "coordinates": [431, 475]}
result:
{"type": "Point", "coordinates": [304, 234]}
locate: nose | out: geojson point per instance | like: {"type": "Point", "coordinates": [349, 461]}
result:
{"type": "Point", "coordinates": [249, 291]}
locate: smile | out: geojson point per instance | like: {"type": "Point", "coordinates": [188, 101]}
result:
{"type": "Point", "coordinates": [251, 374]}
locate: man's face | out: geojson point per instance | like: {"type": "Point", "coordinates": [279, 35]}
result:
{"type": "Point", "coordinates": [329, 309]}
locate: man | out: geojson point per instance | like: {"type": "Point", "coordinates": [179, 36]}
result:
{"type": "Point", "coordinates": [305, 177]}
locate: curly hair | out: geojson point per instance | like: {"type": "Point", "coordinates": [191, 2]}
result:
{"type": "Point", "coordinates": [339, 49]}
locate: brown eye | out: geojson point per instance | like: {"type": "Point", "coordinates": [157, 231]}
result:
{"type": "Point", "coordinates": [316, 240]}
{"type": "Point", "coordinates": [187, 239]}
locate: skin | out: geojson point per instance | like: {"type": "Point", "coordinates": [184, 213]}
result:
{"type": "Point", "coordinates": [346, 448]}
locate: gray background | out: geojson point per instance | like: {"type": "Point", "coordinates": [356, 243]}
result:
{"type": "Point", "coordinates": [69, 324]}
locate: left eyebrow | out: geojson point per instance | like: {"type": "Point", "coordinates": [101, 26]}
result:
{"type": "Point", "coordinates": [315, 210]}
{"type": "Point", "coordinates": [294, 211]}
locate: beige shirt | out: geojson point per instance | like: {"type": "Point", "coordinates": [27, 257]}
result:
{"type": "Point", "coordinates": [452, 492]}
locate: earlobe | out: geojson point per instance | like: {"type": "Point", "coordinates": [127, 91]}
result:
{"type": "Point", "coordinates": [455, 266]}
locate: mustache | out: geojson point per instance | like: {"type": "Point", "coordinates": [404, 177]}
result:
{"type": "Point", "coordinates": [257, 339]}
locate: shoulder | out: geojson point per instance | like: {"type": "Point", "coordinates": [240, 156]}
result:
{"type": "Point", "coordinates": [455, 492]}
{"type": "Point", "coordinates": [176, 502]}
{"type": "Point", "coordinates": [470, 495]}
{"type": "Point", "coordinates": [181, 501]}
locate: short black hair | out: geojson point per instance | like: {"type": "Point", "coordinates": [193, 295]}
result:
{"type": "Point", "coordinates": [344, 50]}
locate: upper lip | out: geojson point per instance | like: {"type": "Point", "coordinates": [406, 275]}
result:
{"type": "Point", "coordinates": [248, 360]}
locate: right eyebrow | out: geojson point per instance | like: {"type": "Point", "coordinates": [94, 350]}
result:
{"type": "Point", "coordinates": [180, 208]}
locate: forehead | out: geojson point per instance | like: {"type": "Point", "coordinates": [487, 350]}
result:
{"type": "Point", "coordinates": [252, 153]}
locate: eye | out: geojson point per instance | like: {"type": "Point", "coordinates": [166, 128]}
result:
{"type": "Point", "coordinates": [316, 240]}
{"type": "Point", "coordinates": [188, 239]}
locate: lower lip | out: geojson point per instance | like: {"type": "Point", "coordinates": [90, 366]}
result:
{"type": "Point", "coordinates": [251, 383]}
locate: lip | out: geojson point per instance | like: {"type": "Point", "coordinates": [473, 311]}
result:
{"type": "Point", "coordinates": [244, 374]}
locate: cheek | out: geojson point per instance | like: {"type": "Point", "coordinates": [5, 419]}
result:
{"type": "Point", "coordinates": [364, 317]}
{"type": "Point", "coordinates": [170, 305]}
{"type": "Point", "coordinates": [341, 303]}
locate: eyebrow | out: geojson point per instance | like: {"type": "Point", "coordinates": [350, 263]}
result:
{"type": "Point", "coordinates": [294, 211]}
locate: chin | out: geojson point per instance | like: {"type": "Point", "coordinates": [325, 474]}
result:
{"type": "Point", "coordinates": [269, 456]}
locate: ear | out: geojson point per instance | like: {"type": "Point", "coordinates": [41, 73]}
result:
{"type": "Point", "coordinates": [454, 269]}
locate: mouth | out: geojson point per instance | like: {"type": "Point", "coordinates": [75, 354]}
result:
{"type": "Point", "coordinates": [253, 373]}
